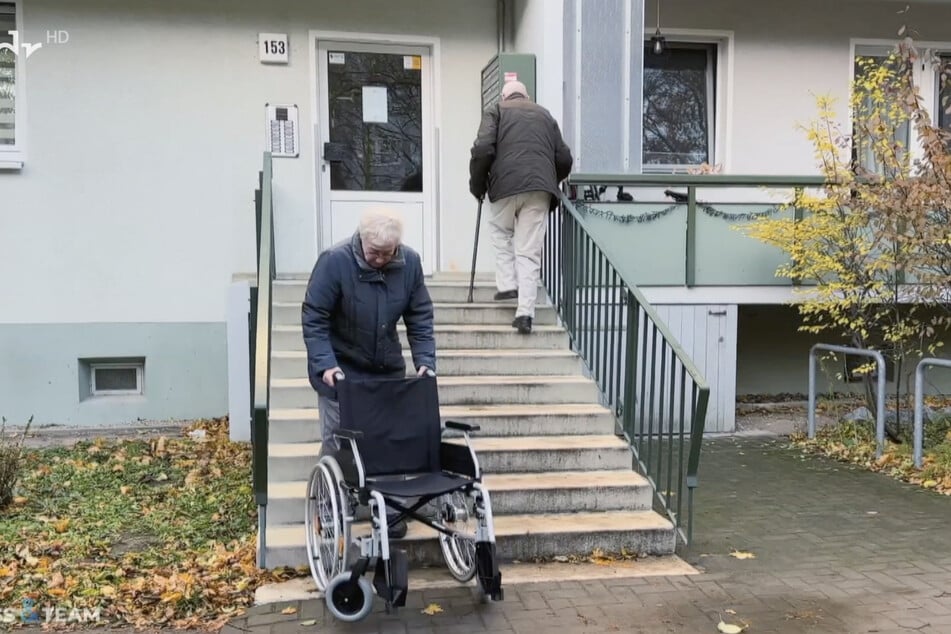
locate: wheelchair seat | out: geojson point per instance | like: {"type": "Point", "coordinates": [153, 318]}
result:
{"type": "Point", "coordinates": [429, 484]}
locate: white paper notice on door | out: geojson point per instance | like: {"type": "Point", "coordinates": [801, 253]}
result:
{"type": "Point", "coordinates": [374, 104]}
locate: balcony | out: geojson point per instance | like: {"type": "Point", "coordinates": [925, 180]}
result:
{"type": "Point", "coordinates": [695, 238]}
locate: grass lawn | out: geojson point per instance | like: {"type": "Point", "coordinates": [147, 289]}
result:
{"type": "Point", "coordinates": [150, 533]}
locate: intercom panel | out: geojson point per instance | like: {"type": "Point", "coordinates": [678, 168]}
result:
{"type": "Point", "coordinates": [283, 131]}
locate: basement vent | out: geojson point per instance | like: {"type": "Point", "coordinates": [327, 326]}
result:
{"type": "Point", "coordinates": [108, 379]}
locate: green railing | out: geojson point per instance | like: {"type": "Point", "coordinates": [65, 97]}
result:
{"type": "Point", "coordinates": [659, 397]}
{"type": "Point", "coordinates": [260, 346]}
{"type": "Point", "coordinates": [681, 238]}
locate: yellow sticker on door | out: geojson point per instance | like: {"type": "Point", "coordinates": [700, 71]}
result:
{"type": "Point", "coordinates": [412, 62]}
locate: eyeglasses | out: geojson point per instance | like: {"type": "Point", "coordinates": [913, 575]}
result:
{"type": "Point", "coordinates": [379, 254]}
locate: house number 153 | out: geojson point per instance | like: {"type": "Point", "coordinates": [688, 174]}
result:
{"type": "Point", "coordinates": [274, 48]}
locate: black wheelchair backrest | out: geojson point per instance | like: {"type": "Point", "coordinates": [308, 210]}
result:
{"type": "Point", "coordinates": [399, 419]}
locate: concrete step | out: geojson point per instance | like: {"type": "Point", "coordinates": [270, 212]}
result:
{"type": "Point", "coordinates": [301, 425]}
{"type": "Point", "coordinates": [519, 573]}
{"type": "Point", "coordinates": [494, 313]}
{"type": "Point", "coordinates": [622, 490]}
{"type": "Point", "coordinates": [463, 337]}
{"type": "Point", "coordinates": [523, 454]}
{"type": "Point", "coordinates": [292, 291]}
{"type": "Point", "coordinates": [467, 390]}
{"type": "Point", "coordinates": [289, 364]}
{"type": "Point", "coordinates": [523, 537]}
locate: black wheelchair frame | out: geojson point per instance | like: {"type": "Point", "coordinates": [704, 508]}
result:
{"type": "Point", "coordinates": [450, 480]}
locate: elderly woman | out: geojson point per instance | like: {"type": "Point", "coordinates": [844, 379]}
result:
{"type": "Point", "coordinates": [357, 292]}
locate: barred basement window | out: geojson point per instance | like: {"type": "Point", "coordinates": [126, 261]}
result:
{"type": "Point", "coordinates": [113, 379]}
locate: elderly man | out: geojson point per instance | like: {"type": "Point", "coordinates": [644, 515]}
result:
{"type": "Point", "coordinates": [357, 292]}
{"type": "Point", "coordinates": [518, 157]}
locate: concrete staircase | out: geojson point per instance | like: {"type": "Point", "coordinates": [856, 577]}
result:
{"type": "Point", "coordinates": [561, 481]}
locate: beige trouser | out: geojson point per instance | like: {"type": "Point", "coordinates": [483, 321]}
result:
{"type": "Point", "coordinates": [518, 226]}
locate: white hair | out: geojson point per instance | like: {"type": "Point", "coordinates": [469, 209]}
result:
{"type": "Point", "coordinates": [381, 227]}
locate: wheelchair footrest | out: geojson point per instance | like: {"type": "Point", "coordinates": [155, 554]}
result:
{"type": "Point", "coordinates": [393, 593]}
{"type": "Point", "coordinates": [487, 567]}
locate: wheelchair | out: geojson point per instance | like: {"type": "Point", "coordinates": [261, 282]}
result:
{"type": "Point", "coordinates": [392, 461]}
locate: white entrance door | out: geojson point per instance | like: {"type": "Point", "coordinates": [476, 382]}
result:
{"type": "Point", "coordinates": [375, 139]}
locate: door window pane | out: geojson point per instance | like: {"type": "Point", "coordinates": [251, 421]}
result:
{"type": "Point", "coordinates": [375, 121]}
{"type": "Point", "coordinates": [678, 104]}
{"type": "Point", "coordinates": [7, 75]}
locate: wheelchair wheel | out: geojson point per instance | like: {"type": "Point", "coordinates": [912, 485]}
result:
{"type": "Point", "coordinates": [322, 524]}
{"type": "Point", "coordinates": [345, 507]}
{"type": "Point", "coordinates": [456, 513]}
{"type": "Point", "coordinates": [349, 600]}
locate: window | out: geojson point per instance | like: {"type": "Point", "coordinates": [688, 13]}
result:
{"type": "Point", "coordinates": [935, 92]}
{"type": "Point", "coordinates": [679, 106]}
{"type": "Point", "coordinates": [869, 60]}
{"type": "Point", "coordinates": [942, 106]}
{"type": "Point", "coordinates": [112, 379]}
{"type": "Point", "coordinates": [8, 64]}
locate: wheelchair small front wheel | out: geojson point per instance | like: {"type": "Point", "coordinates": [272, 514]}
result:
{"type": "Point", "coordinates": [349, 600]}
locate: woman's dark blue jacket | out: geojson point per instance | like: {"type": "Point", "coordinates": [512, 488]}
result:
{"type": "Point", "coordinates": [350, 313]}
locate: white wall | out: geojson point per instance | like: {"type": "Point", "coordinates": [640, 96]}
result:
{"type": "Point", "coordinates": [145, 135]}
{"type": "Point", "coordinates": [537, 28]}
{"type": "Point", "coordinates": [785, 54]}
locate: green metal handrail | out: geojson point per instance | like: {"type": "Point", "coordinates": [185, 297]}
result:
{"type": "Point", "coordinates": [643, 373]}
{"type": "Point", "coordinates": [260, 343]}
{"type": "Point", "coordinates": [697, 180]}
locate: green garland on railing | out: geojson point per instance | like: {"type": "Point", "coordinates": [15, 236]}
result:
{"type": "Point", "coordinates": [586, 209]}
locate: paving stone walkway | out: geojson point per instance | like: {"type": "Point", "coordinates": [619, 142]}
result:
{"type": "Point", "coordinates": [837, 550]}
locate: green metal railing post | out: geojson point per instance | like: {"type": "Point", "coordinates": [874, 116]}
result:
{"type": "Point", "coordinates": [702, 396]}
{"type": "Point", "coordinates": [630, 366]}
{"type": "Point", "coordinates": [797, 217]}
{"type": "Point", "coordinates": [690, 252]}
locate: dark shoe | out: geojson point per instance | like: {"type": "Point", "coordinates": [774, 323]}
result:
{"type": "Point", "coordinates": [523, 324]}
{"type": "Point", "coordinates": [398, 530]}
{"type": "Point", "coordinates": [506, 295]}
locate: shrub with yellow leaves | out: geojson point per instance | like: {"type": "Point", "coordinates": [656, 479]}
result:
{"type": "Point", "coordinates": [872, 248]}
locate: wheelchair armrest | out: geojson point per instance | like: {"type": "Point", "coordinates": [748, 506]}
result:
{"type": "Point", "coordinates": [349, 434]}
{"type": "Point", "coordinates": [466, 427]}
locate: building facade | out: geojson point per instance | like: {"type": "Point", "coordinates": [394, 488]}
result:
{"type": "Point", "coordinates": [131, 139]}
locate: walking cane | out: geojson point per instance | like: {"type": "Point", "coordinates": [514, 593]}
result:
{"type": "Point", "coordinates": [475, 252]}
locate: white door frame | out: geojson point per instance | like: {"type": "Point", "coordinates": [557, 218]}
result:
{"type": "Point", "coordinates": [431, 116]}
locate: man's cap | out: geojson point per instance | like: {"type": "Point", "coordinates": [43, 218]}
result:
{"type": "Point", "coordinates": [514, 88]}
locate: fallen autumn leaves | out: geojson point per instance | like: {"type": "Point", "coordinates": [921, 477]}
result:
{"type": "Point", "coordinates": [151, 533]}
{"type": "Point", "coordinates": [854, 442]}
